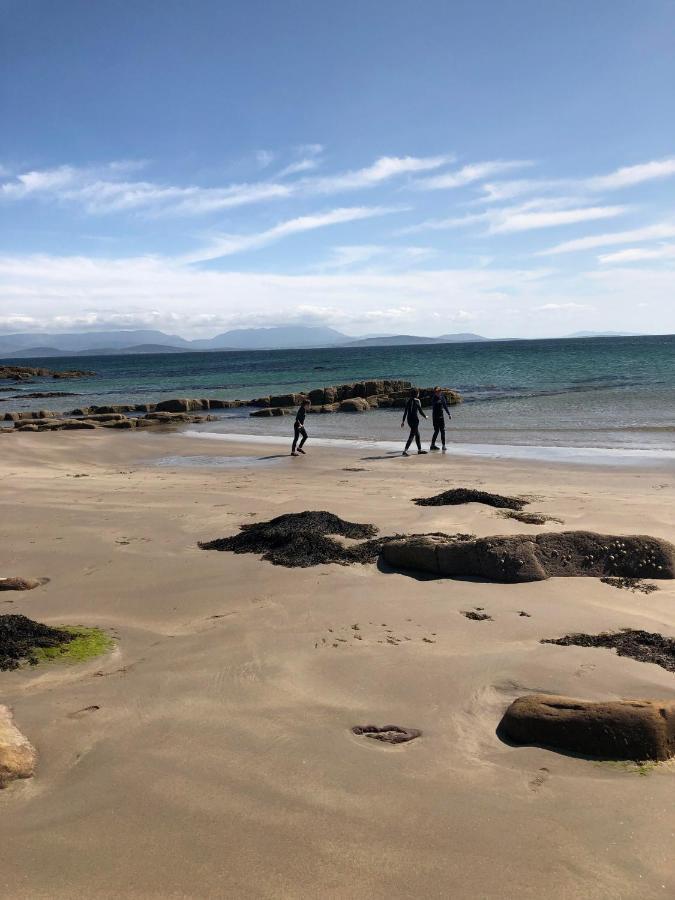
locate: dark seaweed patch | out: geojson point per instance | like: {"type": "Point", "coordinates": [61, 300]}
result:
{"type": "Point", "coordinates": [643, 646]}
{"type": "Point", "coordinates": [458, 496]}
{"type": "Point", "coordinates": [20, 637]}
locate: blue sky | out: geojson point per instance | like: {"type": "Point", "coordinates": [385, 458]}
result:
{"type": "Point", "coordinates": [502, 167]}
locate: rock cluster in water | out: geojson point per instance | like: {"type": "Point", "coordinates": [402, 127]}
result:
{"type": "Point", "coordinates": [26, 373]}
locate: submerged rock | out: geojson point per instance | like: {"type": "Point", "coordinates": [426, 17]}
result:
{"type": "Point", "coordinates": [524, 557]}
{"type": "Point", "coordinates": [618, 730]}
{"type": "Point", "coordinates": [18, 757]}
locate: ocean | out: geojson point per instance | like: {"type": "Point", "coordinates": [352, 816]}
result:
{"type": "Point", "coordinates": [602, 393]}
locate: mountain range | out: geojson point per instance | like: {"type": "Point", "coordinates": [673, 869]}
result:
{"type": "Point", "coordinates": [284, 337]}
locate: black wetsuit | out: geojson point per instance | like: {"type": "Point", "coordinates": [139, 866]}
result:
{"type": "Point", "coordinates": [299, 429]}
{"type": "Point", "coordinates": [413, 410]}
{"type": "Point", "coordinates": [439, 406]}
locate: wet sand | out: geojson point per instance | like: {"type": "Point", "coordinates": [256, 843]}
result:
{"type": "Point", "coordinates": [211, 754]}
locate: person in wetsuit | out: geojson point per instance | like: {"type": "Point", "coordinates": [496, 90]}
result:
{"type": "Point", "coordinates": [411, 414]}
{"type": "Point", "coordinates": [439, 407]}
{"type": "Point", "coordinates": [299, 428]}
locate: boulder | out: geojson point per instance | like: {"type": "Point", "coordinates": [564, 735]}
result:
{"type": "Point", "coordinates": [354, 404]}
{"type": "Point", "coordinates": [179, 405]}
{"type": "Point", "coordinates": [317, 396]}
{"type": "Point", "coordinates": [144, 407]}
{"type": "Point", "coordinates": [329, 395]}
{"type": "Point", "coordinates": [374, 387]}
{"type": "Point", "coordinates": [28, 426]}
{"type": "Point", "coordinates": [221, 404]}
{"type": "Point", "coordinates": [120, 423]}
{"type": "Point", "coordinates": [287, 400]}
{"type": "Point", "coordinates": [18, 757]}
{"type": "Point", "coordinates": [105, 417]}
{"type": "Point", "coordinates": [522, 557]}
{"type": "Point", "coordinates": [330, 408]}
{"type": "Point", "coordinates": [82, 411]}
{"type": "Point", "coordinates": [78, 424]}
{"type": "Point", "coordinates": [260, 401]}
{"type": "Point", "coordinates": [614, 730]}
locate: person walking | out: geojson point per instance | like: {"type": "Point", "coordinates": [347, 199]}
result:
{"type": "Point", "coordinates": [411, 414]}
{"type": "Point", "coordinates": [439, 408]}
{"type": "Point", "coordinates": [299, 432]}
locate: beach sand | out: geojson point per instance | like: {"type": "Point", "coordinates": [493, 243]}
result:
{"type": "Point", "coordinates": [218, 760]}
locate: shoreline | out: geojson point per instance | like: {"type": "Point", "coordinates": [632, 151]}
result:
{"type": "Point", "coordinates": [601, 456]}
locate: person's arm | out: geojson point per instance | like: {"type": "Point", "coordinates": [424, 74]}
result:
{"type": "Point", "coordinates": [445, 406]}
{"type": "Point", "coordinates": [405, 413]}
{"type": "Point", "coordinates": [419, 406]}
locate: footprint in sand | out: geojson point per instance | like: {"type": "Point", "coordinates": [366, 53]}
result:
{"type": "Point", "coordinates": [539, 779]}
{"type": "Point", "coordinates": [85, 711]}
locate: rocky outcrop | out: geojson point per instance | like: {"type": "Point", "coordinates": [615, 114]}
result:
{"type": "Point", "coordinates": [618, 730]}
{"type": "Point", "coordinates": [269, 411]}
{"type": "Point", "coordinates": [24, 373]}
{"type": "Point", "coordinates": [18, 757]}
{"type": "Point", "coordinates": [355, 404]}
{"type": "Point", "coordinates": [523, 557]}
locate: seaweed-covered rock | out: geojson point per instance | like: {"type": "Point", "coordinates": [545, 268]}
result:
{"type": "Point", "coordinates": [18, 757]}
{"type": "Point", "coordinates": [458, 496]}
{"type": "Point", "coordinates": [302, 540]}
{"type": "Point", "coordinates": [618, 730]}
{"type": "Point", "coordinates": [179, 405]}
{"type": "Point", "coordinates": [21, 636]}
{"type": "Point", "coordinates": [524, 557]}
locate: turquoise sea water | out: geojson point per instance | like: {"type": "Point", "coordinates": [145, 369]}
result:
{"type": "Point", "coordinates": [587, 392]}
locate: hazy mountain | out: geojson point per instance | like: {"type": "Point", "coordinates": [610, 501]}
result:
{"type": "Point", "coordinates": [284, 337]}
{"type": "Point", "coordinates": [280, 337]}
{"type": "Point", "coordinates": [86, 340]}
{"type": "Point", "coordinates": [580, 334]}
{"type": "Point", "coordinates": [397, 340]}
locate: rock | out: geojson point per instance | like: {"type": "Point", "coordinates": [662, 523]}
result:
{"type": "Point", "coordinates": [287, 400]}
{"type": "Point", "coordinates": [354, 404]}
{"type": "Point", "coordinates": [259, 401]}
{"type": "Point", "coordinates": [20, 584]}
{"type": "Point", "coordinates": [522, 557]}
{"type": "Point", "coordinates": [330, 408]}
{"type": "Point", "coordinates": [105, 417]}
{"type": "Point", "coordinates": [268, 411]}
{"type": "Point", "coordinates": [317, 396]}
{"type": "Point", "coordinates": [329, 395]}
{"type": "Point", "coordinates": [82, 411]}
{"type": "Point", "coordinates": [120, 423]}
{"type": "Point", "coordinates": [78, 425]}
{"type": "Point", "coordinates": [22, 373]}
{"type": "Point", "coordinates": [18, 757]}
{"type": "Point", "coordinates": [179, 405]}
{"type": "Point", "coordinates": [615, 730]}
{"type": "Point", "coordinates": [28, 427]}
{"type": "Point", "coordinates": [144, 407]}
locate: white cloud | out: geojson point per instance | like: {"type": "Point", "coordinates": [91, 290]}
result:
{"type": "Point", "coordinates": [383, 169]}
{"type": "Point", "coordinates": [627, 176]}
{"type": "Point", "coordinates": [302, 165]}
{"type": "Point", "coordinates": [470, 173]}
{"type": "Point", "coordinates": [649, 232]}
{"type": "Point", "coordinates": [561, 307]}
{"type": "Point", "coordinates": [393, 256]}
{"type": "Point", "coordinates": [638, 254]}
{"type": "Point", "coordinates": [539, 213]}
{"type": "Point", "coordinates": [228, 244]}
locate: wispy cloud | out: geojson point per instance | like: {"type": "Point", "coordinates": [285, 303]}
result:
{"type": "Point", "coordinates": [383, 169]}
{"type": "Point", "coordinates": [348, 256]}
{"type": "Point", "coordinates": [535, 214]}
{"type": "Point", "coordinates": [302, 165]}
{"type": "Point", "coordinates": [264, 158]}
{"type": "Point", "coordinates": [470, 173]}
{"type": "Point", "coordinates": [229, 244]}
{"type": "Point", "coordinates": [638, 254]}
{"type": "Point", "coordinates": [634, 236]}
{"type": "Point", "coordinates": [627, 176]}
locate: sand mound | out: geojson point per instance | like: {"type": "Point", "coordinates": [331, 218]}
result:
{"type": "Point", "coordinates": [457, 496]}
{"type": "Point", "coordinates": [523, 557]}
{"type": "Point", "coordinates": [644, 646]}
{"type": "Point", "coordinates": [624, 729]}
{"type": "Point", "coordinates": [20, 637]}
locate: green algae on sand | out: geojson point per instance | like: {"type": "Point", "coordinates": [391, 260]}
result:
{"type": "Point", "coordinates": [86, 643]}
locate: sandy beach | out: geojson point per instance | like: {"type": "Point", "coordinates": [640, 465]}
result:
{"type": "Point", "coordinates": [210, 753]}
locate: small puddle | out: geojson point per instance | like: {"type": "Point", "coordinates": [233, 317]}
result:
{"type": "Point", "coordinates": [221, 462]}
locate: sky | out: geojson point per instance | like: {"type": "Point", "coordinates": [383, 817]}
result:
{"type": "Point", "coordinates": [504, 167]}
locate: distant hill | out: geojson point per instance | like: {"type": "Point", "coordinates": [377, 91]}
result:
{"type": "Point", "coordinates": [399, 340]}
{"type": "Point", "coordinates": [283, 337]}
{"type": "Point", "coordinates": [280, 337]}
{"type": "Point", "coordinates": [582, 334]}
